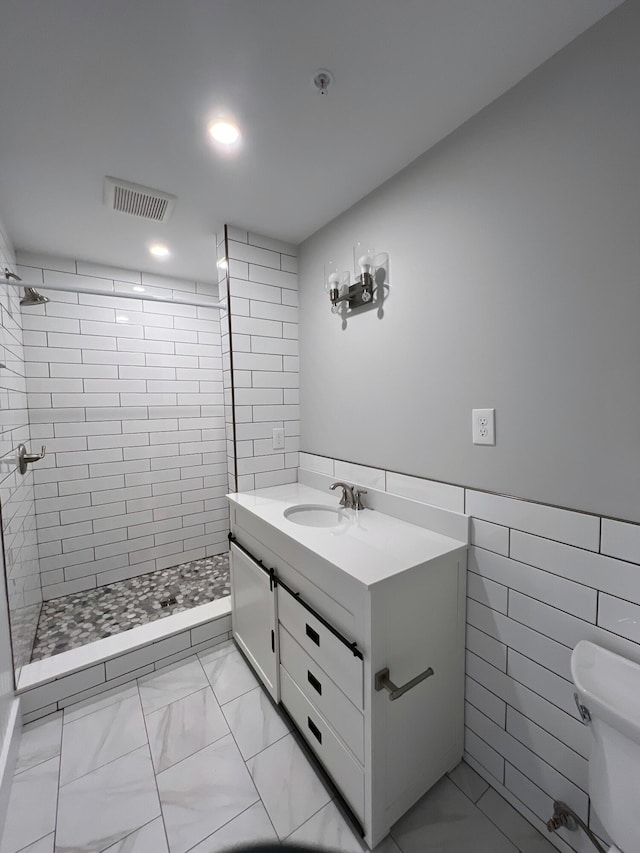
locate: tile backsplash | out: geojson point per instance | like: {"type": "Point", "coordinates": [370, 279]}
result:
{"type": "Point", "coordinates": [540, 578]}
{"type": "Point", "coordinates": [127, 396]}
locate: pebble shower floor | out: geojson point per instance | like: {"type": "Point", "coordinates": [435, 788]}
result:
{"type": "Point", "coordinates": [74, 620]}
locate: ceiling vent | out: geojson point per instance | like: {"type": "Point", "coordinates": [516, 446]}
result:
{"type": "Point", "coordinates": [136, 200]}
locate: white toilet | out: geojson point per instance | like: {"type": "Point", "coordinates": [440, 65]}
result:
{"type": "Point", "coordinates": [609, 691]}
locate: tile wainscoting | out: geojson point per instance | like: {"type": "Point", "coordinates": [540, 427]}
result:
{"type": "Point", "coordinates": [540, 579]}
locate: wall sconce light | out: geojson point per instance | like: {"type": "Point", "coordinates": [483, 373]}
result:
{"type": "Point", "coordinates": [362, 293]}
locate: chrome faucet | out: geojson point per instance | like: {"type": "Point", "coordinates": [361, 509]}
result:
{"type": "Point", "coordinates": [351, 497]}
{"type": "Point", "coordinates": [347, 494]}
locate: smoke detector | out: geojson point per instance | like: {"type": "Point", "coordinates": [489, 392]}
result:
{"type": "Point", "coordinates": [322, 79]}
{"type": "Point", "coordinates": [136, 200]}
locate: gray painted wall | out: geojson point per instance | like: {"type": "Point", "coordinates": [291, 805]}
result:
{"type": "Point", "coordinates": [515, 283]}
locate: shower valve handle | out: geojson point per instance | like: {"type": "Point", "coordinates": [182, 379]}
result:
{"type": "Point", "coordinates": [25, 458]}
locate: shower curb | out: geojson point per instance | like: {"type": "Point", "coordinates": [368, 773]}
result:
{"type": "Point", "coordinates": [49, 685]}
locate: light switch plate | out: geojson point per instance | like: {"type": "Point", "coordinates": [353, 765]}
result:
{"type": "Point", "coordinates": [483, 423]}
{"type": "Point", "coordinates": [278, 438]}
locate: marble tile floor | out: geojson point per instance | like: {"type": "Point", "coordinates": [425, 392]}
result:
{"type": "Point", "coordinates": [196, 758]}
{"type": "Point", "coordinates": [73, 620]}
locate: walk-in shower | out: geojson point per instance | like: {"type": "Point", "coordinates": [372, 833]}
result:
{"type": "Point", "coordinates": [127, 506]}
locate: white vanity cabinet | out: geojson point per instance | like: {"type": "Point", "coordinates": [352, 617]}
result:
{"type": "Point", "coordinates": [346, 607]}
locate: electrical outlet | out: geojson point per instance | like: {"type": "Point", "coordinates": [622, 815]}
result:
{"type": "Point", "coordinates": [278, 438]}
{"type": "Point", "coordinates": [483, 422]}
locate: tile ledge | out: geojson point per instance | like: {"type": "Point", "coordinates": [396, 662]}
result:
{"type": "Point", "coordinates": [50, 669]}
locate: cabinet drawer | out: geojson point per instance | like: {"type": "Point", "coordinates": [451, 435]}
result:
{"type": "Point", "coordinates": [336, 758]}
{"type": "Point", "coordinates": [320, 690]}
{"type": "Point", "coordinates": [337, 660]}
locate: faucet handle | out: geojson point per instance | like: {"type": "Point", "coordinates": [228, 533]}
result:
{"type": "Point", "coordinates": [357, 498]}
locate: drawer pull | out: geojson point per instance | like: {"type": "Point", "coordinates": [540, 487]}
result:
{"type": "Point", "coordinates": [383, 682]}
{"type": "Point", "coordinates": [313, 635]}
{"type": "Point", "coordinates": [313, 681]}
{"type": "Point", "coordinates": [315, 731]}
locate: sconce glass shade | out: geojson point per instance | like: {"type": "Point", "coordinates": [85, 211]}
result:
{"type": "Point", "coordinates": [334, 277]}
{"type": "Point", "coordinates": [331, 276]}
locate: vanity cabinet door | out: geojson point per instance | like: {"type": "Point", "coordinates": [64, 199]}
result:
{"type": "Point", "coordinates": [253, 618]}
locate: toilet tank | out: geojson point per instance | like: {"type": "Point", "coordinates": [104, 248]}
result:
{"type": "Point", "coordinates": [609, 687]}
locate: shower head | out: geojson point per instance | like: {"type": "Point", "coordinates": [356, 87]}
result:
{"type": "Point", "coordinates": [32, 297]}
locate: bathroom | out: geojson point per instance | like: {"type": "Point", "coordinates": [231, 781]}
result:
{"type": "Point", "coordinates": [506, 238]}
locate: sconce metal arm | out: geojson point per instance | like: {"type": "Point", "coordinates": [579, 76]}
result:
{"type": "Point", "coordinates": [359, 293]}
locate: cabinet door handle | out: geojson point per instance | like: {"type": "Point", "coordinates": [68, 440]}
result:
{"type": "Point", "coordinates": [383, 682]}
{"type": "Point", "coordinates": [313, 681]}
{"type": "Point", "coordinates": [315, 731]}
{"type": "Point", "coordinates": [313, 635]}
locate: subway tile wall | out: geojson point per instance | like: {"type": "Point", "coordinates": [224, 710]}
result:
{"type": "Point", "coordinates": [127, 396]}
{"type": "Point", "coordinates": [225, 339]}
{"type": "Point", "coordinates": [16, 490]}
{"type": "Point", "coordinates": [539, 580]}
{"type": "Point", "coordinates": [261, 348]}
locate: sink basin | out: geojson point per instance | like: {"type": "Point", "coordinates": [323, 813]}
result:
{"type": "Point", "coordinates": [315, 515]}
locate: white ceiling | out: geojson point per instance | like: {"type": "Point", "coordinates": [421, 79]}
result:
{"type": "Point", "coordinates": [126, 87]}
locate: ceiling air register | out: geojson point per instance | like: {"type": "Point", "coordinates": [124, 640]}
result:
{"type": "Point", "coordinates": [137, 200]}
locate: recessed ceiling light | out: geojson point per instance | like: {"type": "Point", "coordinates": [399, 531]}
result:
{"type": "Point", "coordinates": [159, 250]}
{"type": "Point", "coordinates": [225, 132]}
{"type": "Point", "coordinates": [138, 288]}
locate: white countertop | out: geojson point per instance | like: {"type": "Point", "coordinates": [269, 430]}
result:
{"type": "Point", "coordinates": [370, 546]}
